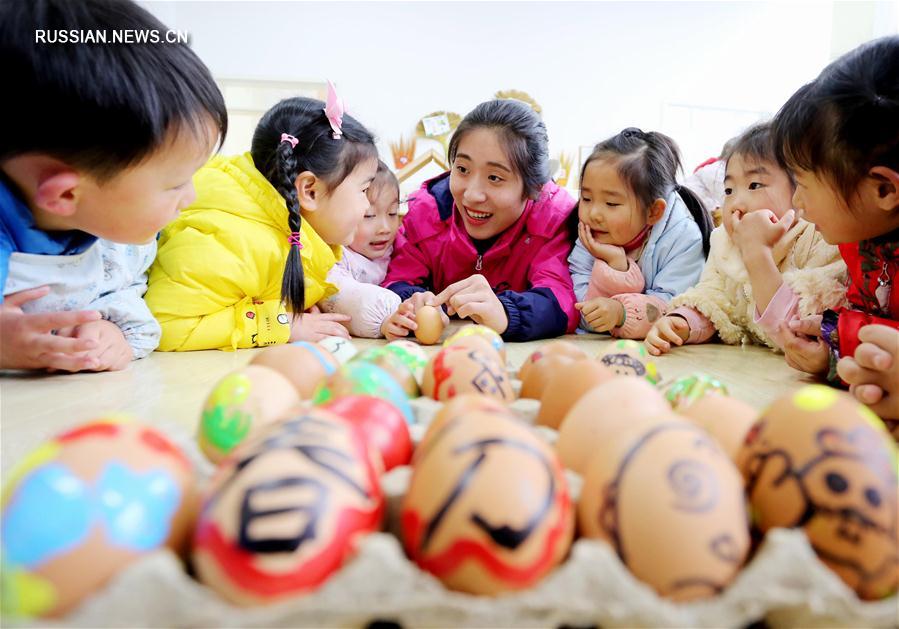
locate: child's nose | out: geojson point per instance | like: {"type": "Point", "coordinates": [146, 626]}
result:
{"type": "Point", "coordinates": [474, 194]}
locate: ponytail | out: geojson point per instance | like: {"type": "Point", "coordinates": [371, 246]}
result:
{"type": "Point", "coordinates": [293, 289]}
{"type": "Point", "coordinates": [699, 213]}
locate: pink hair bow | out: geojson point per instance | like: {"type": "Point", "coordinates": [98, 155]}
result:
{"type": "Point", "coordinates": [289, 138]}
{"type": "Point", "coordinates": [334, 110]}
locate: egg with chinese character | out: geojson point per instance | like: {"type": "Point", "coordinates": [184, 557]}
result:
{"type": "Point", "coordinates": [455, 370]}
{"type": "Point", "coordinates": [817, 459]}
{"type": "Point", "coordinates": [474, 525]}
{"type": "Point", "coordinates": [630, 358]}
{"type": "Point", "coordinates": [479, 331]}
{"type": "Point", "coordinates": [287, 509]}
{"type": "Point", "coordinates": [83, 506]}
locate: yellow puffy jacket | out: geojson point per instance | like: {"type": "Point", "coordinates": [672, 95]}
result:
{"type": "Point", "coordinates": [216, 281]}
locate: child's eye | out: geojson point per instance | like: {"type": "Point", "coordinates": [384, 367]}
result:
{"type": "Point", "coordinates": [728, 191]}
{"type": "Point", "coordinates": [495, 178]}
{"type": "Point", "coordinates": [612, 204]}
{"type": "Point", "coordinates": [392, 213]}
{"type": "Point", "coordinates": [462, 169]}
{"type": "Point", "coordinates": [369, 216]}
{"type": "Point", "coordinates": [755, 185]}
{"type": "Point", "coordinates": [585, 199]}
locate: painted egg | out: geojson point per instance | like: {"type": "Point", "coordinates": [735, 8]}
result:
{"type": "Point", "coordinates": [819, 460]}
{"type": "Point", "coordinates": [412, 355]}
{"type": "Point", "coordinates": [84, 505]}
{"type": "Point", "coordinates": [487, 333]}
{"type": "Point", "coordinates": [382, 424]}
{"type": "Point", "coordinates": [727, 419]}
{"type": "Point", "coordinates": [455, 370]}
{"type": "Point", "coordinates": [306, 365]}
{"type": "Point", "coordinates": [604, 413]}
{"type": "Point", "coordinates": [430, 325]}
{"type": "Point", "coordinates": [463, 404]}
{"type": "Point", "coordinates": [567, 384]}
{"type": "Point", "coordinates": [670, 502]}
{"type": "Point", "coordinates": [536, 378]}
{"type": "Point", "coordinates": [342, 349]}
{"type": "Point", "coordinates": [563, 348]}
{"type": "Point", "coordinates": [474, 525]}
{"type": "Point", "coordinates": [285, 512]}
{"type": "Point", "coordinates": [630, 358]}
{"type": "Point", "coordinates": [360, 378]}
{"type": "Point", "coordinates": [241, 403]}
{"type": "Point", "coordinates": [392, 364]}
{"type": "Point", "coordinates": [480, 343]}
{"type": "Point", "coordinates": [685, 390]}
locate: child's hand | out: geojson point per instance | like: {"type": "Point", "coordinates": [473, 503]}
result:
{"type": "Point", "coordinates": [473, 298]}
{"type": "Point", "coordinates": [27, 341]}
{"type": "Point", "coordinates": [759, 230]}
{"type": "Point", "coordinates": [112, 351]}
{"type": "Point", "coordinates": [426, 298]}
{"type": "Point", "coordinates": [873, 373]}
{"type": "Point", "coordinates": [667, 330]}
{"type": "Point", "coordinates": [315, 325]}
{"type": "Point", "coordinates": [803, 347]}
{"type": "Point", "coordinates": [602, 314]}
{"type": "Point", "coordinates": [613, 255]}
{"type": "Point", "coordinates": [400, 323]}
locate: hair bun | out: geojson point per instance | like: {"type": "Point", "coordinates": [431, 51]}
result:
{"type": "Point", "coordinates": [634, 132]}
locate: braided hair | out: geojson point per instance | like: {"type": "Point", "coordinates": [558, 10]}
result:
{"type": "Point", "coordinates": [315, 150]}
{"type": "Point", "coordinates": [648, 162]}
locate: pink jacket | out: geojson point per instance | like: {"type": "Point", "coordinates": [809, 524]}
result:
{"type": "Point", "coordinates": [526, 265]}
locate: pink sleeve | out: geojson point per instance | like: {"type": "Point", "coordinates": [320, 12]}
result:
{"type": "Point", "coordinates": [641, 311]}
{"type": "Point", "coordinates": [783, 307]}
{"type": "Point", "coordinates": [606, 281]}
{"type": "Point", "coordinates": [701, 327]}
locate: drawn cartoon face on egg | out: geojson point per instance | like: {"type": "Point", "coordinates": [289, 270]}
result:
{"type": "Point", "coordinates": [630, 358]}
{"type": "Point", "coordinates": [454, 370]}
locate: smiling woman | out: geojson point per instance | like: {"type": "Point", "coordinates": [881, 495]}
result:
{"type": "Point", "coordinates": [462, 227]}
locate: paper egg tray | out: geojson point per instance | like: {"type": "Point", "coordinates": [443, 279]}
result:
{"type": "Point", "coordinates": [783, 584]}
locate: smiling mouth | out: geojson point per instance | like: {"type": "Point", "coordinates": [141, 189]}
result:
{"type": "Point", "coordinates": [477, 216]}
{"type": "Point", "coordinates": [377, 244]}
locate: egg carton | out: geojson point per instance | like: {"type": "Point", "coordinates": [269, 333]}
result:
{"type": "Point", "coordinates": [784, 584]}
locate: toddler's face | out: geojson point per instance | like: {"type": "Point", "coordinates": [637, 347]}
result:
{"type": "Point", "coordinates": [607, 206]}
{"type": "Point", "coordinates": [340, 210]}
{"type": "Point", "coordinates": [138, 202]}
{"type": "Point", "coordinates": [823, 206]}
{"type": "Point", "coordinates": [487, 191]}
{"type": "Point", "coordinates": [751, 185]}
{"type": "Point", "coordinates": [377, 231]}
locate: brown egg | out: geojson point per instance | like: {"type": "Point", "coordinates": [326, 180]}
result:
{"type": "Point", "coordinates": [286, 510]}
{"type": "Point", "coordinates": [819, 460]}
{"type": "Point", "coordinates": [241, 404]}
{"type": "Point", "coordinates": [430, 325]}
{"type": "Point", "coordinates": [725, 418]}
{"type": "Point", "coordinates": [455, 370]}
{"type": "Point", "coordinates": [476, 525]}
{"type": "Point", "coordinates": [534, 383]}
{"type": "Point", "coordinates": [484, 332]}
{"type": "Point", "coordinates": [562, 348]}
{"type": "Point", "coordinates": [461, 405]}
{"type": "Point", "coordinates": [305, 364]}
{"type": "Point", "coordinates": [567, 384]}
{"type": "Point", "coordinates": [670, 502]}
{"type": "Point", "coordinates": [86, 504]}
{"type": "Point", "coordinates": [603, 414]}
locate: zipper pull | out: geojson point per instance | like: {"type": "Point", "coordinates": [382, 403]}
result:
{"type": "Point", "coordinates": [882, 293]}
{"type": "Point", "coordinates": [479, 264]}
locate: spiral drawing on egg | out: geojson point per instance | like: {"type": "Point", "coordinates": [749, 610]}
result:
{"type": "Point", "coordinates": [694, 484]}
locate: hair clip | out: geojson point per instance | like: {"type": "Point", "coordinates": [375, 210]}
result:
{"type": "Point", "coordinates": [334, 110]}
{"type": "Point", "coordinates": [294, 240]}
{"type": "Point", "coordinates": [289, 138]}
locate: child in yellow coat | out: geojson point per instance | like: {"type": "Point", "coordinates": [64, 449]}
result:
{"type": "Point", "coordinates": [242, 264]}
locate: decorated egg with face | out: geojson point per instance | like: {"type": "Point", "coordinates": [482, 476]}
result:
{"type": "Point", "coordinates": [562, 348]}
{"type": "Point", "coordinates": [340, 348]}
{"type": "Point", "coordinates": [391, 362]}
{"type": "Point", "coordinates": [454, 370]}
{"type": "Point", "coordinates": [481, 331]}
{"type": "Point", "coordinates": [86, 504]}
{"type": "Point", "coordinates": [670, 502]}
{"type": "Point", "coordinates": [685, 390]}
{"type": "Point", "coordinates": [286, 510]}
{"type": "Point", "coordinates": [412, 355]}
{"type": "Point", "coordinates": [241, 403]}
{"type": "Point", "coordinates": [604, 413]}
{"type": "Point", "coordinates": [537, 376]}
{"type": "Point", "coordinates": [361, 378]}
{"type": "Point", "coordinates": [306, 365]}
{"type": "Point", "coordinates": [566, 386]}
{"type": "Point", "coordinates": [819, 460]}
{"type": "Point", "coordinates": [430, 325]}
{"type": "Point", "coordinates": [630, 358]}
{"type": "Point", "coordinates": [381, 423]}
{"type": "Point", "coordinates": [474, 525]}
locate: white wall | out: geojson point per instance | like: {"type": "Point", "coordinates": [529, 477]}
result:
{"type": "Point", "coordinates": [595, 68]}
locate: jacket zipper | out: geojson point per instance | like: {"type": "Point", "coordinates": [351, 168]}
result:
{"type": "Point", "coordinates": [479, 264]}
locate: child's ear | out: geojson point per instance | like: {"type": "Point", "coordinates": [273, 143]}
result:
{"type": "Point", "coordinates": [885, 187]}
{"type": "Point", "coordinates": [57, 192]}
{"type": "Point", "coordinates": [656, 211]}
{"type": "Point", "coordinates": [310, 190]}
